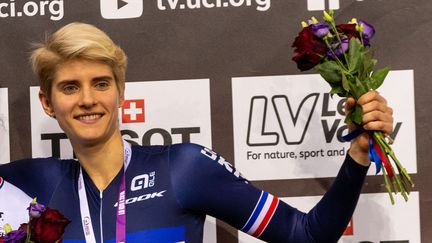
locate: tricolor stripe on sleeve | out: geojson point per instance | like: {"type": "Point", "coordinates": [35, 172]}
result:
{"type": "Point", "coordinates": [262, 214]}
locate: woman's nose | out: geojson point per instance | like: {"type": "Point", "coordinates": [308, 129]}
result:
{"type": "Point", "coordinates": [87, 98]}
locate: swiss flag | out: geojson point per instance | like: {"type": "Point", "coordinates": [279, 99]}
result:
{"type": "Point", "coordinates": [349, 229]}
{"type": "Point", "coordinates": [133, 111]}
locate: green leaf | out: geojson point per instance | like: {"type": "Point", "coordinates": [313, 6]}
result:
{"type": "Point", "coordinates": [357, 88]}
{"type": "Point", "coordinates": [368, 62]}
{"type": "Point", "coordinates": [377, 77]}
{"type": "Point", "coordinates": [330, 71]}
{"type": "Point", "coordinates": [367, 83]}
{"type": "Point", "coordinates": [368, 65]}
{"type": "Point", "coordinates": [356, 116]}
{"type": "Point", "coordinates": [362, 87]}
{"type": "Point", "coordinates": [337, 90]}
{"type": "Point", "coordinates": [345, 83]}
{"type": "Point", "coordinates": [355, 57]}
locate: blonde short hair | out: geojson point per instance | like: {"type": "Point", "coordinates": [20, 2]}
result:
{"type": "Point", "coordinates": [75, 41]}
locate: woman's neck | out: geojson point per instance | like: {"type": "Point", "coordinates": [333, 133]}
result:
{"type": "Point", "coordinates": [101, 161]}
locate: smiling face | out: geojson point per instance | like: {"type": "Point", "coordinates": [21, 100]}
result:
{"type": "Point", "coordinates": [85, 101]}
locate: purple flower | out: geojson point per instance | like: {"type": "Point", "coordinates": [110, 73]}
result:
{"type": "Point", "coordinates": [35, 209]}
{"type": "Point", "coordinates": [368, 29]}
{"type": "Point", "coordinates": [368, 32]}
{"type": "Point", "coordinates": [339, 48]}
{"type": "Point", "coordinates": [320, 29]}
{"type": "Point", "coordinates": [15, 236]}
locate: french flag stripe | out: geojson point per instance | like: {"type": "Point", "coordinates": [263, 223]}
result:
{"type": "Point", "coordinates": [262, 214]}
{"type": "Point", "coordinates": [256, 212]}
{"type": "Point", "coordinates": [267, 217]}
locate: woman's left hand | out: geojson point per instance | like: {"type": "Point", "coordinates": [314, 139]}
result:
{"type": "Point", "coordinates": [377, 116]}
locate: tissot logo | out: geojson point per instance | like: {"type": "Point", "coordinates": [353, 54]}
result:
{"type": "Point", "coordinates": [133, 111]}
{"type": "Point", "coordinates": [121, 9]}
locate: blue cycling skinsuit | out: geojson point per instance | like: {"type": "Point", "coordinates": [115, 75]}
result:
{"type": "Point", "coordinates": [171, 188]}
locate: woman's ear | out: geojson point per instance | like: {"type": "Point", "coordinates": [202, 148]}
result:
{"type": "Point", "coordinates": [46, 104]}
{"type": "Point", "coordinates": [121, 99]}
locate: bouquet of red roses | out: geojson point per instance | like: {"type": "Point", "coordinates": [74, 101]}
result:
{"type": "Point", "coordinates": [46, 225]}
{"type": "Point", "coordinates": [341, 55]}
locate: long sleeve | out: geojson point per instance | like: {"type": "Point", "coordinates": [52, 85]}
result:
{"type": "Point", "coordinates": [204, 182]}
{"type": "Point", "coordinates": [36, 177]}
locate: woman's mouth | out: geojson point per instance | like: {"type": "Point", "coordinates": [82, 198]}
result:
{"type": "Point", "coordinates": [89, 117]}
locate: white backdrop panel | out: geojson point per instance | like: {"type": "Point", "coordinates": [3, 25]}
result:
{"type": "Point", "coordinates": [288, 127]}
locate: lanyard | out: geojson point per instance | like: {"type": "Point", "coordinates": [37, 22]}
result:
{"type": "Point", "coordinates": [121, 207]}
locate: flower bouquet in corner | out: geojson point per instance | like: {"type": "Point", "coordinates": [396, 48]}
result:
{"type": "Point", "coordinates": [45, 225]}
{"type": "Point", "coordinates": [341, 54]}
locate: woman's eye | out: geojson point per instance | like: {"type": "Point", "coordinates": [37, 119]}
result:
{"type": "Point", "coordinates": [102, 85]}
{"type": "Point", "coordinates": [69, 89]}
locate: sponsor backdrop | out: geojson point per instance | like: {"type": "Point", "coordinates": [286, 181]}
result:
{"type": "Point", "coordinates": [389, 223]}
{"type": "Point", "coordinates": [15, 209]}
{"type": "Point", "coordinates": [291, 135]}
{"type": "Point", "coordinates": [4, 126]}
{"type": "Point", "coordinates": [219, 73]}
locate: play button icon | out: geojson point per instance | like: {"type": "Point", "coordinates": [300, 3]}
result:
{"type": "Point", "coordinates": [121, 9]}
{"type": "Point", "coordinates": [121, 4]}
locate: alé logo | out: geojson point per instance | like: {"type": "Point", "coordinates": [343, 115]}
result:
{"type": "Point", "coordinates": [133, 111]}
{"type": "Point", "coordinates": [121, 9]}
{"type": "Point", "coordinates": [143, 181]}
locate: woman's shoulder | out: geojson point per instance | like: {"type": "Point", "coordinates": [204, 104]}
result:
{"type": "Point", "coordinates": [157, 149]}
{"type": "Point", "coordinates": [46, 160]}
{"type": "Point", "coordinates": [38, 177]}
{"type": "Point", "coordinates": [190, 152]}
{"type": "Point", "coordinates": [38, 164]}
{"type": "Point", "coordinates": [187, 147]}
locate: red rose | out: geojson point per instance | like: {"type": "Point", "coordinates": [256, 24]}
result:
{"type": "Point", "coordinates": [23, 227]}
{"type": "Point", "coordinates": [49, 227]}
{"type": "Point", "coordinates": [349, 30]}
{"type": "Point", "coordinates": [309, 49]}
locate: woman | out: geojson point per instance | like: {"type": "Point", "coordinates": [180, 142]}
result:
{"type": "Point", "coordinates": [165, 191]}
